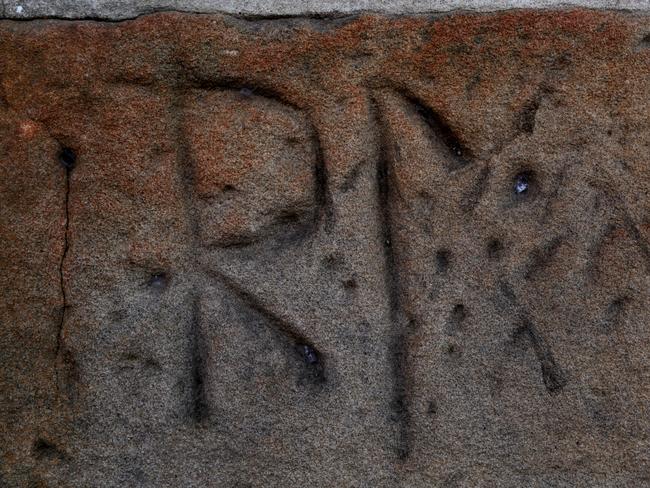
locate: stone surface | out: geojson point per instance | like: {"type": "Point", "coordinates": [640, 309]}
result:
{"type": "Point", "coordinates": [367, 251]}
{"type": "Point", "coordinates": [124, 9]}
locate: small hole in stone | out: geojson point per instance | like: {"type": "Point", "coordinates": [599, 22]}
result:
{"type": "Point", "coordinates": [333, 262]}
{"type": "Point", "coordinates": [350, 284]}
{"type": "Point", "coordinates": [288, 217]}
{"type": "Point", "coordinates": [494, 249]}
{"type": "Point", "coordinates": [44, 449]}
{"type": "Point", "coordinates": [458, 313]}
{"type": "Point", "coordinates": [645, 42]}
{"type": "Point", "coordinates": [308, 353]}
{"type": "Point", "coordinates": [454, 350]}
{"type": "Point", "coordinates": [67, 158]}
{"type": "Point", "coordinates": [523, 185]}
{"type": "Point", "coordinates": [432, 409]}
{"type": "Point", "coordinates": [158, 280]}
{"type": "Point", "coordinates": [442, 260]}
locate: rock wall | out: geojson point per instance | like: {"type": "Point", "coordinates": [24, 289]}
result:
{"type": "Point", "coordinates": [362, 251]}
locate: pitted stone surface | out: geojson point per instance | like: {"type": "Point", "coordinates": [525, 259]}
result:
{"type": "Point", "coordinates": [367, 251]}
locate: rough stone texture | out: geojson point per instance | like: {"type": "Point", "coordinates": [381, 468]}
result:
{"type": "Point", "coordinates": [124, 9]}
{"type": "Point", "coordinates": [291, 253]}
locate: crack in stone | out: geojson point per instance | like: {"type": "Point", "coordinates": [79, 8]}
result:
{"type": "Point", "coordinates": [68, 171]}
{"type": "Point", "coordinates": [62, 261]}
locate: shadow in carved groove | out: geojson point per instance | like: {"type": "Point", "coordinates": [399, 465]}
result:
{"type": "Point", "coordinates": [306, 351]}
{"type": "Point", "coordinates": [456, 156]}
{"type": "Point", "coordinates": [399, 345]}
{"type": "Point", "coordinates": [443, 137]}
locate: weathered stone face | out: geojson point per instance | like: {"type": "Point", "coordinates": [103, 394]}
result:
{"type": "Point", "coordinates": [364, 251]}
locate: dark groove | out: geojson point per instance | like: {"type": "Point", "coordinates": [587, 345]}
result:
{"type": "Point", "coordinates": [399, 348]}
{"type": "Point", "coordinates": [641, 243]}
{"type": "Point", "coordinates": [457, 316]}
{"type": "Point", "coordinates": [308, 352]}
{"type": "Point", "coordinates": [614, 312]}
{"type": "Point", "coordinates": [324, 207]}
{"type": "Point", "coordinates": [458, 155]}
{"type": "Point", "coordinates": [254, 303]}
{"type": "Point", "coordinates": [473, 197]}
{"type": "Point", "coordinates": [495, 249]}
{"type": "Point", "coordinates": [198, 355]}
{"type": "Point", "coordinates": [59, 337]}
{"type": "Point", "coordinates": [338, 17]}
{"type": "Point", "coordinates": [283, 232]}
{"type": "Point", "coordinates": [526, 118]}
{"type": "Point", "coordinates": [596, 251]}
{"type": "Point", "coordinates": [443, 258]}
{"type": "Point", "coordinates": [307, 15]}
{"type": "Point", "coordinates": [46, 450]}
{"type": "Point", "coordinates": [552, 375]}
{"type": "Point", "coordinates": [630, 226]}
{"type": "Point", "coordinates": [197, 407]}
{"type": "Point", "coordinates": [645, 42]}
{"type": "Point", "coordinates": [334, 16]}
{"type": "Point", "coordinates": [315, 16]}
{"type": "Point", "coordinates": [237, 84]}
{"type": "Point", "coordinates": [541, 257]}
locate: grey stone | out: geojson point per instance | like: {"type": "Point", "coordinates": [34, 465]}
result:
{"type": "Point", "coordinates": [124, 9]}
